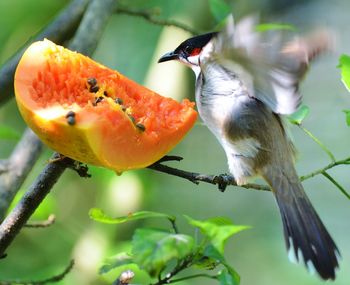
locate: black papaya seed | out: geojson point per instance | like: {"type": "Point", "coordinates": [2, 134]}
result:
{"type": "Point", "coordinates": [132, 118]}
{"type": "Point", "coordinates": [141, 127]}
{"type": "Point", "coordinates": [92, 81]}
{"type": "Point", "coordinates": [99, 99]}
{"type": "Point", "coordinates": [70, 114]}
{"type": "Point", "coordinates": [71, 120]}
{"type": "Point", "coordinates": [119, 101]}
{"type": "Point", "coordinates": [94, 88]}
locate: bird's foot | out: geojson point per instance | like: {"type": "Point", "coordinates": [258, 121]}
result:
{"type": "Point", "coordinates": [223, 180]}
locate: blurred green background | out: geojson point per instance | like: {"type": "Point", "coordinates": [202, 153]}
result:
{"type": "Point", "coordinates": [132, 46]}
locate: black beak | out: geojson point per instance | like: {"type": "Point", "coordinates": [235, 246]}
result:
{"type": "Point", "coordinates": [168, 56]}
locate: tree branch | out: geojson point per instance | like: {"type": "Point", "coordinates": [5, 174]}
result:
{"type": "Point", "coordinates": [224, 180]}
{"type": "Point", "coordinates": [92, 26]}
{"type": "Point", "coordinates": [95, 18]}
{"type": "Point", "coordinates": [60, 30]}
{"type": "Point", "coordinates": [221, 181]}
{"type": "Point", "coordinates": [16, 168]}
{"type": "Point", "coordinates": [150, 16]}
{"type": "Point", "coordinates": [30, 201]}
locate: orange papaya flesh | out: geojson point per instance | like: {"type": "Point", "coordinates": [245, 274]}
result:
{"type": "Point", "coordinates": [93, 114]}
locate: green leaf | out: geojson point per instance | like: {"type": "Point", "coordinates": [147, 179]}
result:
{"type": "Point", "coordinates": [344, 65]}
{"type": "Point", "coordinates": [205, 262]}
{"type": "Point", "coordinates": [298, 116]}
{"type": "Point", "coordinates": [218, 230]}
{"type": "Point", "coordinates": [220, 221]}
{"type": "Point", "coordinates": [219, 9]}
{"type": "Point", "coordinates": [7, 133]}
{"type": "Point", "coordinates": [209, 258]}
{"type": "Point", "coordinates": [228, 274]}
{"type": "Point", "coordinates": [116, 261]}
{"type": "Point", "coordinates": [153, 249]}
{"type": "Point", "coordinates": [228, 277]}
{"type": "Point", "coordinates": [99, 216]}
{"type": "Point", "coordinates": [347, 116]}
{"type": "Point", "coordinates": [274, 26]}
{"type": "Point", "coordinates": [213, 253]}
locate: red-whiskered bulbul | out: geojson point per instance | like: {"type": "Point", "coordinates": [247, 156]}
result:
{"type": "Point", "coordinates": [245, 81]}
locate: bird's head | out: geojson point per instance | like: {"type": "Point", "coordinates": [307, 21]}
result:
{"type": "Point", "coordinates": [189, 51]}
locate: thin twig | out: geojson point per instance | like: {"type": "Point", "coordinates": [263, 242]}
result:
{"type": "Point", "coordinates": [53, 279]}
{"type": "Point", "coordinates": [226, 180]}
{"type": "Point", "coordinates": [17, 167]}
{"type": "Point", "coordinates": [316, 140]}
{"type": "Point", "coordinates": [341, 188]}
{"type": "Point", "coordinates": [321, 170]}
{"type": "Point", "coordinates": [60, 30]}
{"type": "Point", "coordinates": [150, 16]}
{"type": "Point", "coordinates": [197, 177]}
{"type": "Point", "coordinates": [42, 224]}
{"type": "Point", "coordinates": [83, 41]}
{"type": "Point", "coordinates": [180, 267]}
{"type": "Point", "coordinates": [192, 277]}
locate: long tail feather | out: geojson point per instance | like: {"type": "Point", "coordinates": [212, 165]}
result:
{"type": "Point", "coordinates": [303, 229]}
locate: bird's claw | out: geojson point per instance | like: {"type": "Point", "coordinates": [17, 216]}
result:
{"type": "Point", "coordinates": [222, 180]}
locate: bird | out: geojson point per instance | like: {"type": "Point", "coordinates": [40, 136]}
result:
{"type": "Point", "coordinates": [246, 81]}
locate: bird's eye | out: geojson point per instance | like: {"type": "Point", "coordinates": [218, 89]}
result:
{"type": "Point", "coordinates": [192, 51]}
{"type": "Point", "coordinates": [188, 49]}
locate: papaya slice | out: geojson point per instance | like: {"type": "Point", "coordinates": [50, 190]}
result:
{"type": "Point", "coordinates": [93, 114]}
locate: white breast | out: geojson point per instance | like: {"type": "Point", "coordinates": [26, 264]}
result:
{"type": "Point", "coordinates": [218, 93]}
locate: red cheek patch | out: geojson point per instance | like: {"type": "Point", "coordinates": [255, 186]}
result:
{"type": "Point", "coordinates": [196, 51]}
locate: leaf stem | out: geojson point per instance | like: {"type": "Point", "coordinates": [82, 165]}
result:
{"type": "Point", "coordinates": [192, 277]}
{"type": "Point", "coordinates": [322, 170]}
{"type": "Point", "coordinates": [316, 140]}
{"type": "Point", "coordinates": [341, 188]}
{"type": "Point", "coordinates": [173, 224]}
{"type": "Point", "coordinates": [183, 265]}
